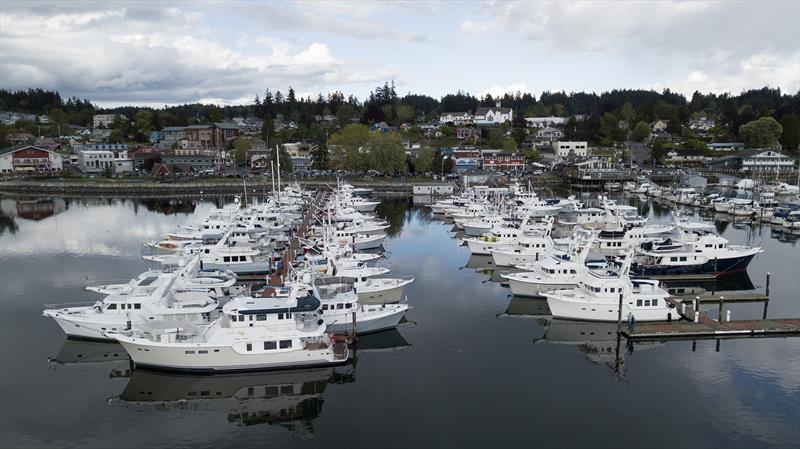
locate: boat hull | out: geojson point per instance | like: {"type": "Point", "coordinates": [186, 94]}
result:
{"type": "Point", "coordinates": [388, 317]}
{"type": "Point", "coordinates": [721, 267]}
{"type": "Point", "coordinates": [607, 310]}
{"type": "Point", "coordinates": [222, 359]}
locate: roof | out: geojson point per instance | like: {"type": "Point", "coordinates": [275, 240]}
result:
{"type": "Point", "coordinates": [14, 148]}
{"type": "Point", "coordinates": [484, 111]}
{"type": "Point", "coordinates": [454, 113]}
{"type": "Point", "coordinates": [173, 128]}
{"type": "Point", "coordinates": [227, 125]}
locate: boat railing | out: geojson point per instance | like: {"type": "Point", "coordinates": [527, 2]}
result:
{"type": "Point", "coordinates": [69, 305]}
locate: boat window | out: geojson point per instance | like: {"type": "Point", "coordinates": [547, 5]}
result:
{"type": "Point", "coordinates": [280, 316]}
{"type": "Point", "coordinates": [572, 272]}
{"type": "Point", "coordinates": [249, 347]}
{"type": "Point", "coordinates": [655, 302]}
{"type": "Point", "coordinates": [286, 344]}
{"type": "Point", "coordinates": [683, 258]}
{"type": "Point", "coordinates": [202, 352]}
{"type": "Point", "coordinates": [340, 306]}
{"type": "Point", "coordinates": [324, 307]}
{"type": "Point", "coordinates": [207, 251]}
{"type": "Point", "coordinates": [226, 259]}
{"type": "Point", "coordinates": [137, 306]}
{"type": "Point", "coordinates": [262, 317]}
{"type": "Point", "coordinates": [268, 345]}
{"type": "Point", "coordinates": [348, 306]}
{"type": "Point", "coordinates": [638, 303]}
{"type": "Point", "coordinates": [188, 352]}
{"type": "Point", "coordinates": [111, 307]}
{"type": "Point", "coordinates": [673, 259]}
{"type": "Point", "coordinates": [647, 302]}
{"type": "Point", "coordinates": [250, 317]}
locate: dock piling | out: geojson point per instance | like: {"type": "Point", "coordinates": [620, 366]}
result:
{"type": "Point", "coordinates": [619, 311]}
{"type": "Point", "coordinates": [766, 303]}
{"type": "Point", "coordinates": [721, 305]}
{"type": "Point", "coordinates": [696, 309]}
{"type": "Point", "coordinates": [728, 315]}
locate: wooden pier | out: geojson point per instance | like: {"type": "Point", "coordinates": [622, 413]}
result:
{"type": "Point", "coordinates": [707, 328]}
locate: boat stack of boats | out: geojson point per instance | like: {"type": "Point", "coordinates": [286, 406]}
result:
{"type": "Point", "coordinates": [605, 253]}
{"type": "Point", "coordinates": [267, 285]}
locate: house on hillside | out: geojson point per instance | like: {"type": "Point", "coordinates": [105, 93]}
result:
{"type": "Point", "coordinates": [549, 134]}
{"type": "Point", "coordinates": [659, 126]}
{"type": "Point", "coordinates": [456, 118]}
{"type": "Point", "coordinates": [571, 149]}
{"type": "Point", "coordinates": [493, 116]}
{"type": "Point", "coordinates": [380, 127]}
{"type": "Point", "coordinates": [544, 122]}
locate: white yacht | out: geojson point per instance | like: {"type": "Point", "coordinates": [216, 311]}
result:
{"type": "Point", "coordinates": [553, 273]}
{"type": "Point", "coordinates": [340, 302]}
{"type": "Point", "coordinates": [598, 295]}
{"type": "Point", "coordinates": [148, 298]}
{"type": "Point", "coordinates": [618, 242]}
{"type": "Point", "coordinates": [253, 333]}
{"type": "Point", "coordinates": [496, 239]}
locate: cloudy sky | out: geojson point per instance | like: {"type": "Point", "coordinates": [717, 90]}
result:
{"type": "Point", "coordinates": [156, 53]}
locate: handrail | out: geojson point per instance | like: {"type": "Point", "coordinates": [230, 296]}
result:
{"type": "Point", "coordinates": [68, 305]}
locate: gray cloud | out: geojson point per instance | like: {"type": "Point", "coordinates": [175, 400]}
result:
{"type": "Point", "coordinates": [155, 54]}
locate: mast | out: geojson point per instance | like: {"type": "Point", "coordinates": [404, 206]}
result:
{"type": "Point", "coordinates": [278, 157]}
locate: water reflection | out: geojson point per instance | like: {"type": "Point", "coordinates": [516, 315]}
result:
{"type": "Point", "coordinates": [76, 352]}
{"type": "Point", "coordinates": [291, 399]}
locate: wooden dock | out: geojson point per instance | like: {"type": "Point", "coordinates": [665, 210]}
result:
{"type": "Point", "coordinates": [707, 328]}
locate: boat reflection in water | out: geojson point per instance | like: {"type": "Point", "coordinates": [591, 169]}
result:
{"type": "Point", "coordinates": [598, 341]}
{"type": "Point", "coordinates": [292, 399]}
{"type": "Point", "coordinates": [77, 351]}
{"type": "Point", "coordinates": [528, 307]}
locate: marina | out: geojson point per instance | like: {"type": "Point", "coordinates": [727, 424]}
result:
{"type": "Point", "coordinates": [448, 294]}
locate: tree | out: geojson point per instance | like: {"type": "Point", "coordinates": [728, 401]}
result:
{"type": "Point", "coordinates": [641, 131]}
{"type": "Point", "coordinates": [532, 156]}
{"type": "Point", "coordinates": [386, 153]}
{"type": "Point", "coordinates": [790, 138]}
{"type": "Point", "coordinates": [319, 157]}
{"type": "Point", "coordinates": [494, 138]}
{"type": "Point", "coordinates": [144, 121]}
{"type": "Point", "coordinates": [215, 115]}
{"type": "Point", "coordinates": [268, 131]}
{"type": "Point", "coordinates": [424, 161]}
{"type": "Point", "coordinates": [239, 150]}
{"type": "Point", "coordinates": [510, 145]}
{"type": "Point", "coordinates": [405, 113]}
{"type": "Point", "coordinates": [116, 136]}
{"type": "Point", "coordinates": [348, 147]}
{"type": "Point", "coordinates": [441, 164]}
{"type": "Point", "coordinates": [761, 133]}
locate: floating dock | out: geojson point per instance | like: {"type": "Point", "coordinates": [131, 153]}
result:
{"type": "Point", "coordinates": [710, 329]}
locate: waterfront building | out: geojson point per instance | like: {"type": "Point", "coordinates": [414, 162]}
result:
{"type": "Point", "coordinates": [29, 159]}
{"type": "Point", "coordinates": [767, 161]}
{"type": "Point", "coordinates": [503, 162]}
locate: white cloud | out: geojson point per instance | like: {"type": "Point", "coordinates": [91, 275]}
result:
{"type": "Point", "coordinates": [726, 45]}
{"type": "Point", "coordinates": [121, 53]}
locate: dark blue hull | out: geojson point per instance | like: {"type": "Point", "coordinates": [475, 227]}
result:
{"type": "Point", "coordinates": [721, 266]}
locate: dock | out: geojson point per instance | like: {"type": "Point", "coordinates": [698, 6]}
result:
{"type": "Point", "coordinates": [711, 329]}
{"type": "Point", "coordinates": [696, 326]}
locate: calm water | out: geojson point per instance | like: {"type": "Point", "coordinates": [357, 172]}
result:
{"type": "Point", "coordinates": [472, 367]}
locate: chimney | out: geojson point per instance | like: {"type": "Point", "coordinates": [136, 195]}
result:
{"type": "Point", "coordinates": [497, 103]}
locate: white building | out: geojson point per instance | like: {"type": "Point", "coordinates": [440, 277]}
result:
{"type": "Point", "coordinates": [29, 159]}
{"type": "Point", "coordinates": [544, 122]}
{"type": "Point", "coordinates": [767, 161]}
{"type": "Point", "coordinates": [493, 116]}
{"type": "Point", "coordinates": [565, 149]}
{"type": "Point", "coordinates": [105, 120]}
{"type": "Point", "coordinates": [549, 134]}
{"type": "Point", "coordinates": [456, 118]}
{"type": "Point", "coordinates": [98, 161]}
